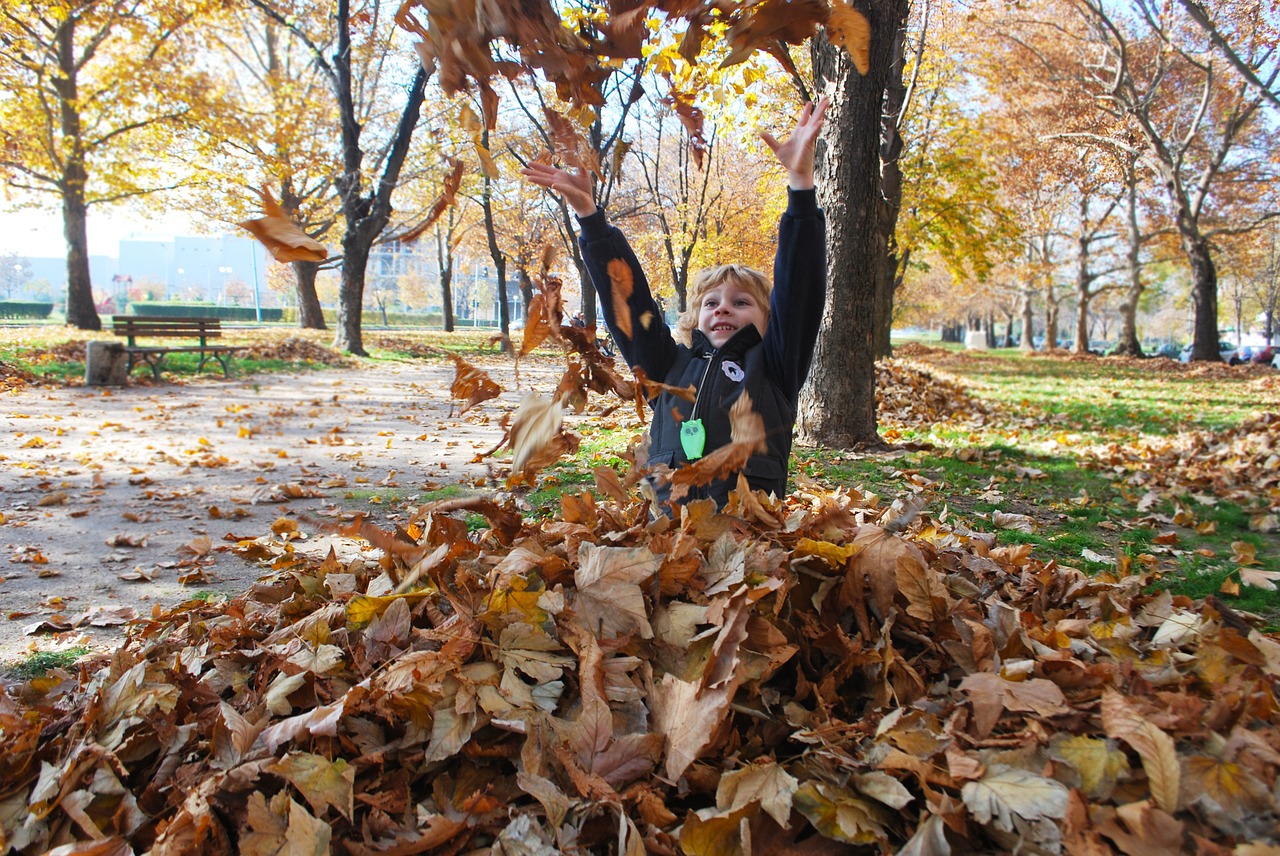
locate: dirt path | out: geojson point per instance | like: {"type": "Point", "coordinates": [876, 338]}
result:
{"type": "Point", "coordinates": [112, 501]}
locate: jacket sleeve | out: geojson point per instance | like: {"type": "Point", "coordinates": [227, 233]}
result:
{"type": "Point", "coordinates": [650, 344]}
{"type": "Point", "coordinates": [799, 291]}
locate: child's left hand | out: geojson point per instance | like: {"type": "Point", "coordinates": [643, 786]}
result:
{"type": "Point", "coordinates": [796, 154]}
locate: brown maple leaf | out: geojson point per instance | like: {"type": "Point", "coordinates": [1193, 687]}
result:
{"type": "Point", "coordinates": [622, 287]}
{"type": "Point", "coordinates": [471, 385]}
{"type": "Point", "coordinates": [848, 28]}
{"type": "Point", "coordinates": [448, 198]}
{"type": "Point", "coordinates": [652, 388]}
{"type": "Point", "coordinates": [536, 326]}
{"type": "Point", "coordinates": [281, 236]}
{"type": "Point", "coordinates": [747, 431]}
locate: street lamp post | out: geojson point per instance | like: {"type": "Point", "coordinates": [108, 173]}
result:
{"type": "Point", "coordinates": [225, 271]}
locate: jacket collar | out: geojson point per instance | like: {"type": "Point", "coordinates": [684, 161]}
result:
{"type": "Point", "coordinates": [741, 342]}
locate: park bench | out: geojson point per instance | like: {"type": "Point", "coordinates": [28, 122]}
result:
{"type": "Point", "coordinates": [135, 327]}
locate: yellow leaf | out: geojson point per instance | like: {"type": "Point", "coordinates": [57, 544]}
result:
{"type": "Point", "coordinates": [1243, 553]}
{"type": "Point", "coordinates": [834, 554]}
{"type": "Point", "coordinates": [842, 815]}
{"type": "Point", "coordinates": [320, 781]}
{"type": "Point", "coordinates": [718, 835]}
{"type": "Point", "coordinates": [1098, 762]}
{"type": "Point", "coordinates": [364, 608]}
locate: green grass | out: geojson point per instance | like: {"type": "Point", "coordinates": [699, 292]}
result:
{"type": "Point", "coordinates": [1085, 516]}
{"type": "Point", "coordinates": [41, 663]}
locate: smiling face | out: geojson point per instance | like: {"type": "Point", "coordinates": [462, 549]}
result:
{"type": "Point", "coordinates": [727, 308]}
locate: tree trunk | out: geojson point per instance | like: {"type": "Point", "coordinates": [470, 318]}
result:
{"type": "Point", "coordinates": [310, 316]}
{"type": "Point", "coordinates": [1050, 326]}
{"type": "Point", "coordinates": [1204, 297]}
{"type": "Point", "coordinates": [889, 200]}
{"type": "Point", "coordinates": [837, 407]}
{"type": "Point", "coordinates": [1128, 344]}
{"type": "Point", "coordinates": [446, 297]}
{"type": "Point", "coordinates": [1028, 321]}
{"type": "Point", "coordinates": [348, 331]}
{"type": "Point", "coordinates": [495, 253]}
{"type": "Point", "coordinates": [365, 216]}
{"type": "Point", "coordinates": [81, 312]}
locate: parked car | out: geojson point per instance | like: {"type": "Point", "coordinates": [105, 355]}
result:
{"type": "Point", "coordinates": [1263, 355]}
{"type": "Point", "coordinates": [1168, 349]}
{"type": "Point", "coordinates": [1226, 350]}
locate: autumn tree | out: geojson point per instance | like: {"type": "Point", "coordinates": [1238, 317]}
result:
{"type": "Point", "coordinates": [360, 57]}
{"type": "Point", "coordinates": [1198, 126]}
{"type": "Point", "coordinates": [96, 94]}
{"type": "Point", "coordinates": [276, 122]}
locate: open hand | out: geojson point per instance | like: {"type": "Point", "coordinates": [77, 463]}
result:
{"type": "Point", "coordinates": [574, 187]}
{"type": "Point", "coordinates": [796, 154]}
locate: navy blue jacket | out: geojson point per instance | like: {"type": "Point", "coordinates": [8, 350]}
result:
{"type": "Point", "coordinates": [771, 369]}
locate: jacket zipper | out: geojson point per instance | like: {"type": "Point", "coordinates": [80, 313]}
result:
{"type": "Point", "coordinates": [697, 397]}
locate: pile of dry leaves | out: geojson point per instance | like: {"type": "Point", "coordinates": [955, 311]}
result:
{"type": "Point", "coordinates": [295, 350]}
{"type": "Point", "coordinates": [807, 677]}
{"type": "Point", "coordinates": [1240, 464]}
{"type": "Point", "coordinates": [908, 393]}
{"type": "Point", "coordinates": [12, 377]}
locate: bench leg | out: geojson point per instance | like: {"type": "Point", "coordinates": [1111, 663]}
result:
{"type": "Point", "coordinates": [224, 360]}
{"type": "Point", "coordinates": [155, 362]}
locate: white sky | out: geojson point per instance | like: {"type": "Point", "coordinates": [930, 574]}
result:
{"type": "Point", "coordinates": [38, 234]}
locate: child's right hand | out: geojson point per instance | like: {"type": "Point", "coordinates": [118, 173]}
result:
{"type": "Point", "coordinates": [574, 187]}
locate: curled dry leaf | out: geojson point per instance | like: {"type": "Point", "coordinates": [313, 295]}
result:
{"type": "Point", "coordinates": [281, 236]}
{"type": "Point", "coordinates": [748, 438]}
{"type": "Point", "coordinates": [848, 28]}
{"type": "Point", "coordinates": [447, 199]}
{"type": "Point", "coordinates": [622, 285]}
{"type": "Point", "coordinates": [534, 431]}
{"type": "Point", "coordinates": [471, 385]}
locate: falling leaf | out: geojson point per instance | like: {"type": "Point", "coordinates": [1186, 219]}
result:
{"type": "Point", "coordinates": [747, 438]}
{"type": "Point", "coordinates": [848, 28]}
{"type": "Point", "coordinates": [537, 327]}
{"type": "Point", "coordinates": [471, 385]}
{"type": "Point", "coordinates": [533, 428]}
{"type": "Point", "coordinates": [622, 285]}
{"type": "Point", "coordinates": [447, 199]}
{"type": "Point", "coordinates": [281, 236]}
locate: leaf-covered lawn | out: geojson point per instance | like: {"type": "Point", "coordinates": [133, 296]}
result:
{"type": "Point", "coordinates": [979, 642]}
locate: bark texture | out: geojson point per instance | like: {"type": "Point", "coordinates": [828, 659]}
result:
{"type": "Point", "coordinates": [837, 406]}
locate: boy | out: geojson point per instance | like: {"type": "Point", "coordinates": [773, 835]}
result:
{"type": "Point", "coordinates": [737, 335]}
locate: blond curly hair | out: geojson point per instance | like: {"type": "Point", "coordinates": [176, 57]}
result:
{"type": "Point", "coordinates": [748, 279]}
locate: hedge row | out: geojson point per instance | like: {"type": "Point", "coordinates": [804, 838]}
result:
{"type": "Point", "coordinates": [196, 309]}
{"type": "Point", "coordinates": [373, 318]}
{"type": "Point", "coordinates": [24, 309]}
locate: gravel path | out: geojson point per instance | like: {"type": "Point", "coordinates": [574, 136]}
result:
{"type": "Point", "coordinates": [115, 500]}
